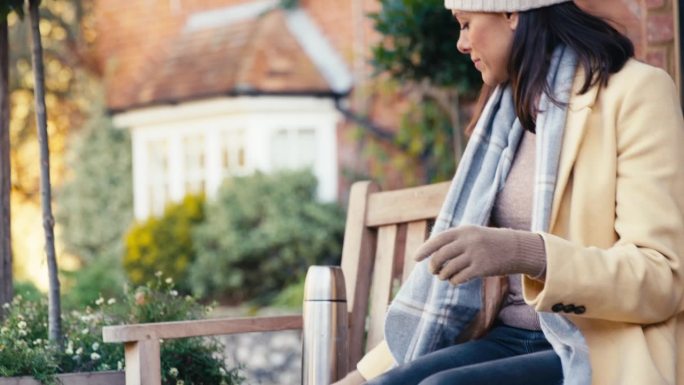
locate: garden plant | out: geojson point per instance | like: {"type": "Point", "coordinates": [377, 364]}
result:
{"type": "Point", "coordinates": [26, 351]}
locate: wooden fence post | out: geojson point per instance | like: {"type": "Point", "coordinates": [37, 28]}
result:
{"type": "Point", "coordinates": [143, 364]}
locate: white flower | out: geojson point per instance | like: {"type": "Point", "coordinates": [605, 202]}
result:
{"type": "Point", "coordinates": [85, 331]}
{"type": "Point", "coordinates": [173, 293]}
{"type": "Point", "coordinates": [69, 351]}
{"type": "Point", "coordinates": [96, 345]}
{"type": "Point", "coordinates": [94, 356]}
{"type": "Point", "coordinates": [119, 365]}
{"type": "Point", "coordinates": [79, 351]}
{"type": "Point", "coordinates": [222, 371]}
{"type": "Point", "coordinates": [169, 280]}
{"type": "Point", "coordinates": [37, 341]}
{"type": "Point", "coordinates": [173, 372]}
{"type": "Point", "coordinates": [22, 325]}
{"type": "Point", "coordinates": [158, 274]}
{"type": "Point", "coordinates": [6, 305]}
{"type": "Point", "coordinates": [180, 382]}
{"type": "Point", "coordinates": [111, 301]}
{"type": "Point", "coordinates": [99, 301]}
{"type": "Point", "coordinates": [22, 333]}
{"type": "Point", "coordinates": [4, 330]}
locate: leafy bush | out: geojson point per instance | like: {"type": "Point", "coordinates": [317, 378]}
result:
{"type": "Point", "coordinates": [28, 290]}
{"type": "Point", "coordinates": [292, 297]}
{"type": "Point", "coordinates": [417, 44]}
{"type": "Point", "coordinates": [104, 277]}
{"type": "Point", "coordinates": [164, 243]}
{"type": "Point", "coordinates": [24, 349]}
{"type": "Point", "coordinates": [95, 207]}
{"type": "Point", "coordinates": [261, 234]}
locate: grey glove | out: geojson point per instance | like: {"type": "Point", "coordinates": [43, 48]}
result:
{"type": "Point", "coordinates": [466, 252]}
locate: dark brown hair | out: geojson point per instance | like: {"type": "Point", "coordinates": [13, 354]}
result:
{"type": "Point", "coordinates": [601, 50]}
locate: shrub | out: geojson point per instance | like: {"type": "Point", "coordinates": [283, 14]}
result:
{"type": "Point", "coordinates": [24, 349]}
{"type": "Point", "coordinates": [164, 243]}
{"type": "Point", "coordinates": [292, 297]}
{"type": "Point", "coordinates": [95, 207]}
{"type": "Point", "coordinates": [95, 279]}
{"type": "Point", "coordinates": [27, 290]}
{"type": "Point", "coordinates": [261, 234]}
{"type": "Point", "coordinates": [23, 346]}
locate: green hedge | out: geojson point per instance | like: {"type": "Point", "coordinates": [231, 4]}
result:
{"type": "Point", "coordinates": [261, 234]}
{"type": "Point", "coordinates": [94, 208]}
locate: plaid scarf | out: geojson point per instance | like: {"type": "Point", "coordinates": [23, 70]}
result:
{"type": "Point", "coordinates": [428, 314]}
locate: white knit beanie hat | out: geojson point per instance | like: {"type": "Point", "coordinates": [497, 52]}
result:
{"type": "Point", "coordinates": [498, 5]}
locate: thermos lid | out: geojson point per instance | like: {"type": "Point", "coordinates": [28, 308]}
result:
{"type": "Point", "coordinates": [325, 283]}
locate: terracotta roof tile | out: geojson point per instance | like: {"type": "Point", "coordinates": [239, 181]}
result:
{"type": "Point", "coordinates": [255, 55]}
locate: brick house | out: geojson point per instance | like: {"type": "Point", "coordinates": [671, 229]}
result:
{"type": "Point", "coordinates": [214, 88]}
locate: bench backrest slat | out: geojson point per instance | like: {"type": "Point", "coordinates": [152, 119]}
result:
{"type": "Point", "coordinates": [415, 236]}
{"type": "Point", "coordinates": [381, 286]}
{"type": "Point", "coordinates": [406, 205]}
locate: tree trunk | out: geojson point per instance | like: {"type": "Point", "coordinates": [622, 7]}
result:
{"type": "Point", "coordinates": [54, 307]}
{"type": "Point", "coordinates": [5, 176]}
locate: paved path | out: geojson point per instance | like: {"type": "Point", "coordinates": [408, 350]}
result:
{"type": "Point", "coordinates": [268, 358]}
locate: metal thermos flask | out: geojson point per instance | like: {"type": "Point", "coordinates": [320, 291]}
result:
{"type": "Point", "coordinates": [324, 351]}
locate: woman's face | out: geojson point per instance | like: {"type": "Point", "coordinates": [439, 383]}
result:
{"type": "Point", "coordinates": [487, 38]}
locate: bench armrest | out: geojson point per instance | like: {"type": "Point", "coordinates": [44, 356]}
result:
{"type": "Point", "coordinates": [196, 328]}
{"type": "Point", "coordinates": [141, 341]}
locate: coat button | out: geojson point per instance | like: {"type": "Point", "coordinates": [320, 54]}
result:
{"type": "Point", "coordinates": [557, 307]}
{"type": "Point", "coordinates": [580, 310]}
{"type": "Point", "coordinates": [569, 308]}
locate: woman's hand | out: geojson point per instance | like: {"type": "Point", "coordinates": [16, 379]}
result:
{"type": "Point", "coordinates": [465, 252]}
{"type": "Point", "coordinates": [353, 378]}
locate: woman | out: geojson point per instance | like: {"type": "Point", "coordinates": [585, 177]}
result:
{"type": "Point", "coordinates": [572, 189]}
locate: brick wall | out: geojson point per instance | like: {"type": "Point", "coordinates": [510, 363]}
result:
{"type": "Point", "coordinates": [653, 28]}
{"type": "Point", "coordinates": [661, 37]}
{"type": "Point", "coordinates": [651, 24]}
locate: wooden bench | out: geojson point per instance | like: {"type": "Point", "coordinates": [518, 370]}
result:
{"type": "Point", "coordinates": [383, 229]}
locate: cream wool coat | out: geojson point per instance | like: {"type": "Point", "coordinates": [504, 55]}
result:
{"type": "Point", "coordinates": [616, 242]}
{"type": "Point", "coordinates": [617, 229]}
